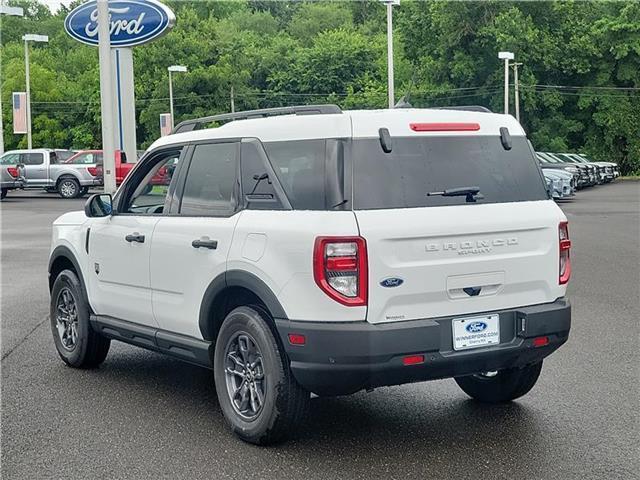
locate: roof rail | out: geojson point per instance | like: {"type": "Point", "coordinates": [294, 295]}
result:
{"type": "Point", "coordinates": [469, 108]}
{"type": "Point", "coordinates": [198, 123]}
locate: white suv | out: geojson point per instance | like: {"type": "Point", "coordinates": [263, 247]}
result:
{"type": "Point", "coordinates": [307, 249]}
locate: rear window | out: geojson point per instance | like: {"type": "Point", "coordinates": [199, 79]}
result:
{"type": "Point", "coordinates": [419, 165]}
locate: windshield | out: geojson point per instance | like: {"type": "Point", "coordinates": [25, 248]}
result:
{"type": "Point", "coordinates": [419, 165]}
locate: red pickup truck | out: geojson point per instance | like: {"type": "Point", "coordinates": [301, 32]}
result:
{"type": "Point", "coordinates": [123, 168]}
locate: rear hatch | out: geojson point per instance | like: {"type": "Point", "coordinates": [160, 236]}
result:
{"type": "Point", "coordinates": [433, 256]}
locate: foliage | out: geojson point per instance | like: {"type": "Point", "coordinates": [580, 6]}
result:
{"type": "Point", "coordinates": [580, 78]}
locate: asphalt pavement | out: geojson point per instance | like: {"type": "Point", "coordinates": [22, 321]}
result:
{"type": "Point", "coordinates": [143, 415]}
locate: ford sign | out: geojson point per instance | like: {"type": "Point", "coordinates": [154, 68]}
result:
{"type": "Point", "coordinates": [132, 22]}
{"type": "Point", "coordinates": [391, 282]}
{"type": "Point", "coordinates": [476, 327]}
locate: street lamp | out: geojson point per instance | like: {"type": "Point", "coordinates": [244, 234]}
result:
{"type": "Point", "coordinates": [173, 68]}
{"type": "Point", "coordinates": [506, 56]}
{"type": "Point", "coordinates": [515, 66]}
{"type": "Point", "coordinates": [30, 37]}
{"type": "Point", "coordinates": [17, 12]}
{"type": "Point", "coordinates": [390, 86]}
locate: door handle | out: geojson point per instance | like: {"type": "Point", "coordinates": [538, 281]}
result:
{"type": "Point", "coordinates": [135, 237]}
{"type": "Point", "coordinates": [205, 243]}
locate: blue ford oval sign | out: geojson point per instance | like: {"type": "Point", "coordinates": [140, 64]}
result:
{"type": "Point", "coordinates": [132, 22]}
{"type": "Point", "coordinates": [476, 327]}
{"type": "Point", "coordinates": [391, 282]}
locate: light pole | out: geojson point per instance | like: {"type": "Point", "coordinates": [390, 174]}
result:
{"type": "Point", "coordinates": [17, 12]}
{"type": "Point", "coordinates": [517, 89]}
{"type": "Point", "coordinates": [506, 56]}
{"type": "Point", "coordinates": [106, 97]}
{"type": "Point", "coordinates": [173, 68]}
{"type": "Point", "coordinates": [390, 82]}
{"type": "Point", "coordinates": [30, 38]}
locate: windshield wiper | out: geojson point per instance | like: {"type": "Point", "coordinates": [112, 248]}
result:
{"type": "Point", "coordinates": [472, 193]}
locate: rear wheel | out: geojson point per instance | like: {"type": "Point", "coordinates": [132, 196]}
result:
{"type": "Point", "coordinates": [77, 343]}
{"type": "Point", "coordinates": [3, 193]}
{"type": "Point", "coordinates": [501, 386]}
{"type": "Point", "coordinates": [84, 191]}
{"type": "Point", "coordinates": [68, 188]}
{"type": "Point", "coordinates": [260, 399]}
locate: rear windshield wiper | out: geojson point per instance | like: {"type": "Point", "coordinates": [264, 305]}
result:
{"type": "Point", "coordinates": [472, 193]}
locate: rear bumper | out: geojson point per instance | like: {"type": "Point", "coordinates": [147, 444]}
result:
{"type": "Point", "coordinates": [342, 358]}
{"type": "Point", "coordinates": [12, 184]}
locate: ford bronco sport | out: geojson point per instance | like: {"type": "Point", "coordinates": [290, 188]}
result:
{"type": "Point", "coordinates": [313, 250]}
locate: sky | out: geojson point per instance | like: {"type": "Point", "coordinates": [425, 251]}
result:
{"type": "Point", "coordinates": [54, 5]}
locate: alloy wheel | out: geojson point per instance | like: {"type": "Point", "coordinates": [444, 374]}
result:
{"type": "Point", "coordinates": [245, 376]}
{"type": "Point", "coordinates": [68, 189]}
{"type": "Point", "coordinates": [67, 319]}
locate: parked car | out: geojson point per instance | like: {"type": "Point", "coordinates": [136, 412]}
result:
{"type": "Point", "coordinates": [596, 173]}
{"type": "Point", "coordinates": [41, 169]}
{"type": "Point", "coordinates": [325, 251]}
{"type": "Point", "coordinates": [608, 169]}
{"type": "Point", "coordinates": [582, 174]}
{"type": "Point", "coordinates": [561, 183]}
{"type": "Point", "coordinates": [10, 178]}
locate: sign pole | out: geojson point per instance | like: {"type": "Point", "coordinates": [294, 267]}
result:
{"type": "Point", "coordinates": [106, 92]}
{"type": "Point", "coordinates": [26, 75]}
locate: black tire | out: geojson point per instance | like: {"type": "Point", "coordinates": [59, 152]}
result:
{"type": "Point", "coordinates": [284, 404]}
{"type": "Point", "coordinates": [68, 187]}
{"type": "Point", "coordinates": [90, 348]}
{"type": "Point", "coordinates": [3, 193]}
{"type": "Point", "coordinates": [505, 386]}
{"type": "Point", "coordinates": [84, 191]}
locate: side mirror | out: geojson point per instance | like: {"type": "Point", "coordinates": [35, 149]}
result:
{"type": "Point", "coordinates": [98, 205]}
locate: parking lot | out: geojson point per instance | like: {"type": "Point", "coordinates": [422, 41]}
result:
{"type": "Point", "coordinates": [143, 415]}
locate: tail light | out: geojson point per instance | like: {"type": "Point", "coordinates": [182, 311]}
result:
{"type": "Point", "coordinates": [340, 269]}
{"type": "Point", "coordinates": [13, 171]}
{"type": "Point", "coordinates": [565, 247]}
{"type": "Point", "coordinates": [94, 171]}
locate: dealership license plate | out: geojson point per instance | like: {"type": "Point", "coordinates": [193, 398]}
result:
{"type": "Point", "coordinates": [474, 332]}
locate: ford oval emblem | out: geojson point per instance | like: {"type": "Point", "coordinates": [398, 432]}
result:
{"type": "Point", "coordinates": [391, 282]}
{"type": "Point", "coordinates": [475, 327]}
{"type": "Point", "coordinates": [132, 22]}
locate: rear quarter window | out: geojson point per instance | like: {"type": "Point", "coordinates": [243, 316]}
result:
{"type": "Point", "coordinates": [418, 165]}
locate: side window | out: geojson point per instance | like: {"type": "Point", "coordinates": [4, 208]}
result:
{"type": "Point", "coordinates": [32, 158]}
{"type": "Point", "coordinates": [258, 179]}
{"type": "Point", "coordinates": [10, 159]}
{"type": "Point", "coordinates": [300, 166]}
{"type": "Point", "coordinates": [210, 182]}
{"type": "Point", "coordinates": [149, 195]}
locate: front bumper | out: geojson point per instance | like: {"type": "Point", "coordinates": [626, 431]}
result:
{"type": "Point", "coordinates": [342, 358]}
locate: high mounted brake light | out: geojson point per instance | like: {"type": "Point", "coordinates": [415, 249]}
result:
{"type": "Point", "coordinates": [565, 247]}
{"type": "Point", "coordinates": [340, 269]}
{"type": "Point", "coordinates": [444, 127]}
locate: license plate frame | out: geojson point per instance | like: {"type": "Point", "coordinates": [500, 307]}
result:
{"type": "Point", "coordinates": [468, 332]}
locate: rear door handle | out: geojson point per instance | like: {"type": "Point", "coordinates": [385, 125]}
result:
{"type": "Point", "coordinates": [135, 237]}
{"type": "Point", "coordinates": [205, 242]}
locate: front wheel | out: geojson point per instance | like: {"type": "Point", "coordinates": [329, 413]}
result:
{"type": "Point", "coordinates": [501, 386]}
{"type": "Point", "coordinates": [69, 188]}
{"type": "Point", "coordinates": [260, 399]}
{"type": "Point", "coordinates": [77, 343]}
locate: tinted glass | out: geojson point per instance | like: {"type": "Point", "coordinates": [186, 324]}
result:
{"type": "Point", "coordinates": [258, 187]}
{"type": "Point", "coordinates": [150, 194]}
{"type": "Point", "coordinates": [416, 166]}
{"type": "Point", "coordinates": [210, 180]}
{"type": "Point", "coordinates": [32, 158]}
{"type": "Point", "coordinates": [300, 167]}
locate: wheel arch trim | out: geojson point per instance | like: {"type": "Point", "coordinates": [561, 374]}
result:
{"type": "Point", "coordinates": [236, 278]}
{"type": "Point", "coordinates": [62, 251]}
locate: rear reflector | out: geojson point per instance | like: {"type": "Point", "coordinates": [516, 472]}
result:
{"type": "Point", "coordinates": [413, 360]}
{"type": "Point", "coordinates": [444, 127]}
{"type": "Point", "coordinates": [297, 339]}
{"type": "Point", "coordinates": [540, 341]}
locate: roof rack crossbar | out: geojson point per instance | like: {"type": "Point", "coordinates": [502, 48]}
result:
{"type": "Point", "coordinates": [197, 123]}
{"type": "Point", "coordinates": [468, 108]}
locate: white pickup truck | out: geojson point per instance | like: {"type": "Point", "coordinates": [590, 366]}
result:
{"type": "Point", "coordinates": [42, 169]}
